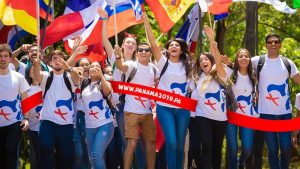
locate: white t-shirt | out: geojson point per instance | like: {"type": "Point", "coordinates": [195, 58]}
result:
{"type": "Point", "coordinates": [58, 103]}
{"type": "Point", "coordinates": [274, 96]}
{"type": "Point", "coordinates": [211, 100]}
{"type": "Point", "coordinates": [244, 94]}
{"type": "Point", "coordinates": [173, 80]}
{"type": "Point", "coordinates": [97, 111]}
{"type": "Point", "coordinates": [11, 87]}
{"type": "Point", "coordinates": [34, 114]}
{"type": "Point", "coordinates": [145, 75]}
{"type": "Point", "coordinates": [297, 101]}
{"type": "Point", "coordinates": [22, 67]}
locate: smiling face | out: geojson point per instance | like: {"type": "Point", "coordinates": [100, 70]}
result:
{"type": "Point", "coordinates": [144, 53]}
{"type": "Point", "coordinates": [243, 59]}
{"type": "Point", "coordinates": [205, 64]}
{"type": "Point", "coordinates": [273, 44]}
{"type": "Point", "coordinates": [129, 45]}
{"type": "Point", "coordinates": [5, 59]}
{"type": "Point", "coordinates": [174, 49]}
{"type": "Point", "coordinates": [95, 70]}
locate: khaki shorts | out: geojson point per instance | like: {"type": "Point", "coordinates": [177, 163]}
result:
{"type": "Point", "coordinates": [133, 123]}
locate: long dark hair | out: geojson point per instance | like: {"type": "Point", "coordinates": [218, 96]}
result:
{"type": "Point", "coordinates": [250, 71]}
{"type": "Point", "coordinates": [185, 56]}
{"type": "Point", "coordinates": [197, 69]}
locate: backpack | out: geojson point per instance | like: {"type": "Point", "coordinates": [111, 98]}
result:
{"type": "Point", "coordinates": [131, 76]}
{"type": "Point", "coordinates": [262, 60]}
{"type": "Point", "coordinates": [86, 82]}
{"type": "Point", "coordinates": [66, 80]}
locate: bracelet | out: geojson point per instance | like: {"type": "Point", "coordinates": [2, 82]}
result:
{"type": "Point", "coordinates": [25, 118]}
{"type": "Point", "coordinates": [118, 57]}
{"type": "Point", "coordinates": [102, 18]}
{"type": "Point", "coordinates": [69, 70]}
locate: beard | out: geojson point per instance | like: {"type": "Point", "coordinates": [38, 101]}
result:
{"type": "Point", "coordinates": [57, 69]}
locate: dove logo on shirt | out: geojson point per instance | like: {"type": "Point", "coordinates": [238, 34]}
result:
{"type": "Point", "coordinates": [66, 103]}
{"type": "Point", "coordinates": [181, 86]}
{"type": "Point", "coordinates": [214, 96]}
{"type": "Point", "coordinates": [98, 104]}
{"type": "Point", "coordinates": [11, 104]}
{"type": "Point", "coordinates": [281, 89]}
{"type": "Point", "coordinates": [248, 101]}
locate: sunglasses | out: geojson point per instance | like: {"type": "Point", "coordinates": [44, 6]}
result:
{"type": "Point", "coordinates": [273, 41]}
{"type": "Point", "coordinates": [143, 49]}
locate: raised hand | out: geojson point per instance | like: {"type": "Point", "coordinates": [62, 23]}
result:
{"type": "Point", "coordinates": [102, 13]}
{"type": "Point", "coordinates": [209, 33]}
{"type": "Point", "coordinates": [81, 50]}
{"type": "Point", "coordinates": [77, 42]}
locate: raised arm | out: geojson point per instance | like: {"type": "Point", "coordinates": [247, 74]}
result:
{"type": "Point", "coordinates": [74, 74]}
{"type": "Point", "coordinates": [37, 70]}
{"type": "Point", "coordinates": [156, 50]}
{"type": "Point", "coordinates": [107, 45]}
{"type": "Point", "coordinates": [77, 50]}
{"type": "Point", "coordinates": [16, 53]}
{"type": "Point", "coordinates": [105, 85]}
{"type": "Point", "coordinates": [120, 60]}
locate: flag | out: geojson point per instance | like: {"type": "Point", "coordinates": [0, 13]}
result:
{"type": "Point", "coordinates": [190, 29]}
{"type": "Point", "coordinates": [44, 8]}
{"type": "Point", "coordinates": [19, 12]}
{"type": "Point", "coordinates": [78, 15]}
{"type": "Point", "coordinates": [220, 16]}
{"type": "Point", "coordinates": [126, 17]}
{"type": "Point", "coordinates": [168, 12]}
{"type": "Point", "coordinates": [221, 6]}
{"type": "Point", "coordinates": [296, 3]}
{"type": "Point", "coordinates": [10, 36]}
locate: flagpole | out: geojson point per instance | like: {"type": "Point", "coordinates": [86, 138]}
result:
{"type": "Point", "coordinates": [38, 26]}
{"type": "Point", "coordinates": [18, 33]}
{"type": "Point", "coordinates": [45, 23]}
{"type": "Point", "coordinates": [209, 17]}
{"type": "Point", "coordinates": [115, 22]}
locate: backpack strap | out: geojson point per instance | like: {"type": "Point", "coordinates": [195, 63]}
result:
{"type": "Point", "coordinates": [164, 68]}
{"type": "Point", "coordinates": [69, 86]}
{"type": "Point", "coordinates": [132, 73]}
{"type": "Point", "coordinates": [287, 64]}
{"type": "Point", "coordinates": [261, 62]}
{"type": "Point", "coordinates": [85, 82]}
{"type": "Point", "coordinates": [48, 83]}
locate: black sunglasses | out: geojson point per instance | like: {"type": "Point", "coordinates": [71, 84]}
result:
{"type": "Point", "coordinates": [143, 49]}
{"type": "Point", "coordinates": [273, 41]}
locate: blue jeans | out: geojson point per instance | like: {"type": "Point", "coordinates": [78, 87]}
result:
{"type": "Point", "coordinates": [81, 159]}
{"type": "Point", "coordinates": [174, 123]}
{"type": "Point", "coordinates": [97, 141]}
{"type": "Point", "coordinates": [276, 139]}
{"type": "Point", "coordinates": [246, 136]}
{"type": "Point", "coordinates": [34, 153]}
{"type": "Point", "coordinates": [56, 137]}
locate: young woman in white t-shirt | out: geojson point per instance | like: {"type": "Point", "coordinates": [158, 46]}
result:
{"type": "Point", "coordinates": [244, 89]}
{"type": "Point", "coordinates": [173, 120]}
{"type": "Point", "coordinates": [99, 122]}
{"type": "Point", "coordinates": [129, 46]}
{"type": "Point", "coordinates": [208, 127]}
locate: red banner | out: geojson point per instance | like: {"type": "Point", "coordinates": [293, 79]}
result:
{"type": "Point", "coordinates": [263, 124]}
{"type": "Point", "coordinates": [154, 94]}
{"type": "Point", "coordinates": [31, 102]}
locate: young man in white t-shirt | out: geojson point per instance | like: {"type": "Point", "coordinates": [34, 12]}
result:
{"type": "Point", "coordinates": [56, 128]}
{"type": "Point", "coordinates": [138, 114]}
{"type": "Point", "coordinates": [13, 89]}
{"type": "Point", "coordinates": [274, 101]}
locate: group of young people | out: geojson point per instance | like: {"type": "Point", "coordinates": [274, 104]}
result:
{"type": "Point", "coordinates": [82, 123]}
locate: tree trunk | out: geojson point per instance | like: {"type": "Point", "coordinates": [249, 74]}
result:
{"type": "Point", "coordinates": [251, 38]}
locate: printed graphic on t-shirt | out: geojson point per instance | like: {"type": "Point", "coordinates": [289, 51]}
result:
{"type": "Point", "coordinates": [98, 104]}
{"type": "Point", "coordinates": [181, 86]}
{"type": "Point", "coordinates": [65, 103]}
{"type": "Point", "coordinates": [13, 105]}
{"type": "Point", "coordinates": [213, 98]}
{"type": "Point", "coordinates": [243, 102]}
{"type": "Point", "coordinates": [275, 92]}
